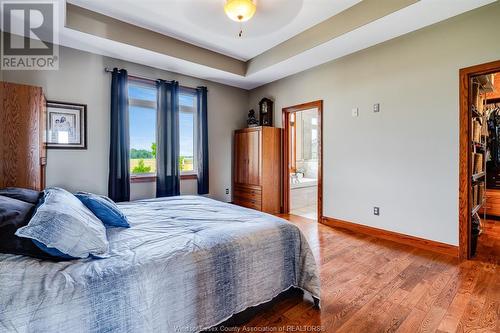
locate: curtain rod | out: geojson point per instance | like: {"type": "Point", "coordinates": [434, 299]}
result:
{"type": "Point", "coordinates": [110, 70]}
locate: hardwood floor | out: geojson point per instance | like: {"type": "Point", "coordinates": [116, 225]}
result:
{"type": "Point", "coordinates": [373, 285]}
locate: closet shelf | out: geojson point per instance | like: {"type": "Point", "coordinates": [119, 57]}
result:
{"type": "Point", "coordinates": [477, 176]}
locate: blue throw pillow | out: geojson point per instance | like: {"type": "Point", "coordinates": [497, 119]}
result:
{"type": "Point", "coordinates": [61, 222]}
{"type": "Point", "coordinates": [105, 209]}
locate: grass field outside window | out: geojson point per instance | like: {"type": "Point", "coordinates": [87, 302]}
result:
{"type": "Point", "coordinates": [148, 165]}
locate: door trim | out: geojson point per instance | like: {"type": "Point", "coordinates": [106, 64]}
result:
{"type": "Point", "coordinates": [286, 156]}
{"type": "Point", "coordinates": [465, 167]}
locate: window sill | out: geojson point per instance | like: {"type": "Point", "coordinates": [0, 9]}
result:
{"type": "Point", "coordinates": [152, 178]}
{"type": "Point", "coordinates": [142, 178]}
{"type": "Point", "coordinates": [189, 176]}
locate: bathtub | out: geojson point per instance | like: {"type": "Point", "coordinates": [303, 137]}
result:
{"type": "Point", "coordinates": [304, 193]}
{"type": "Point", "coordinates": [304, 182]}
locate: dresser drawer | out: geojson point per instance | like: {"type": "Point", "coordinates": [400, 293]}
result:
{"type": "Point", "coordinates": [248, 203]}
{"type": "Point", "coordinates": [493, 201]}
{"type": "Point", "coordinates": [492, 204]}
{"type": "Point", "coordinates": [492, 198]}
{"type": "Point", "coordinates": [492, 193]}
{"type": "Point", "coordinates": [250, 197]}
{"type": "Point", "coordinates": [493, 211]}
{"type": "Point", "coordinates": [248, 188]}
{"type": "Point", "coordinates": [251, 194]}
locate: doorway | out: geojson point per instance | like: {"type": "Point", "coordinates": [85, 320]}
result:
{"type": "Point", "coordinates": [303, 160]}
{"type": "Point", "coordinates": [479, 176]}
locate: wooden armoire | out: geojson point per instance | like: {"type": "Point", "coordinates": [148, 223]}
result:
{"type": "Point", "coordinates": [257, 168]}
{"type": "Point", "coordinates": [22, 129]}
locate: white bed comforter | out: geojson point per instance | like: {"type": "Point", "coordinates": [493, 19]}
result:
{"type": "Point", "coordinates": [186, 264]}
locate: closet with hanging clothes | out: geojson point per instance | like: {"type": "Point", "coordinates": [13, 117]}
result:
{"type": "Point", "coordinates": [485, 155]}
{"type": "Point", "coordinates": [493, 145]}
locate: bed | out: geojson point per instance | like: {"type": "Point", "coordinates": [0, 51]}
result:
{"type": "Point", "coordinates": [187, 264]}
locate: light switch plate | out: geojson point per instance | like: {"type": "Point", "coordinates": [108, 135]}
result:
{"type": "Point", "coordinates": [376, 107]}
{"type": "Point", "coordinates": [355, 112]}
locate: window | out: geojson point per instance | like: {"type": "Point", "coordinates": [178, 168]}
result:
{"type": "Point", "coordinates": [187, 108]}
{"type": "Point", "coordinates": [142, 118]}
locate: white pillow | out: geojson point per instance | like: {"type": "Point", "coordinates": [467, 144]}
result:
{"type": "Point", "coordinates": [62, 223]}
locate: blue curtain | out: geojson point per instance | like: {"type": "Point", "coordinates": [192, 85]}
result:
{"type": "Point", "coordinates": [167, 139]}
{"type": "Point", "coordinates": [202, 140]}
{"type": "Point", "coordinates": [119, 150]}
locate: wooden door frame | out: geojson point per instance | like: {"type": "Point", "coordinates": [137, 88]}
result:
{"type": "Point", "coordinates": [465, 167]}
{"type": "Point", "coordinates": [286, 158]}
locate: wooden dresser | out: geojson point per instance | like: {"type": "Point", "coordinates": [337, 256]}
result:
{"type": "Point", "coordinates": [22, 129]}
{"type": "Point", "coordinates": [257, 168]}
{"type": "Point", "coordinates": [492, 203]}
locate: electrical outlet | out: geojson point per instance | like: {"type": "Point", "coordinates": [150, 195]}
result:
{"type": "Point", "coordinates": [227, 191]}
{"type": "Point", "coordinates": [376, 211]}
{"type": "Point", "coordinates": [355, 112]}
{"type": "Point", "coordinates": [376, 107]}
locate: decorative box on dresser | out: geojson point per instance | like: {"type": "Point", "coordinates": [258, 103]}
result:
{"type": "Point", "coordinates": [22, 128]}
{"type": "Point", "coordinates": [257, 168]}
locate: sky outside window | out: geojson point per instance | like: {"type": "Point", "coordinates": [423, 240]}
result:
{"type": "Point", "coordinates": [186, 124]}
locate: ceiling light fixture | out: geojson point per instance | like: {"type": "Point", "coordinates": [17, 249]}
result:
{"type": "Point", "coordinates": [240, 11]}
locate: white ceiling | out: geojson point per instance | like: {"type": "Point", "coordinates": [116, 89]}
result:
{"type": "Point", "coordinates": [204, 23]}
{"type": "Point", "coordinates": [416, 16]}
{"type": "Point", "coordinates": [413, 17]}
{"type": "Point", "coordinates": [404, 21]}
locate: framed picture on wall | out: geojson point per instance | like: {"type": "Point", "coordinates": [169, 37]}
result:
{"type": "Point", "coordinates": [66, 125]}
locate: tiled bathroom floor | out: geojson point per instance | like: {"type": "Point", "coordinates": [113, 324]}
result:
{"type": "Point", "coordinates": [309, 212]}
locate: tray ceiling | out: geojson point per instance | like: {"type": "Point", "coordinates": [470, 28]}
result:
{"type": "Point", "coordinates": [204, 23]}
{"type": "Point", "coordinates": [194, 37]}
